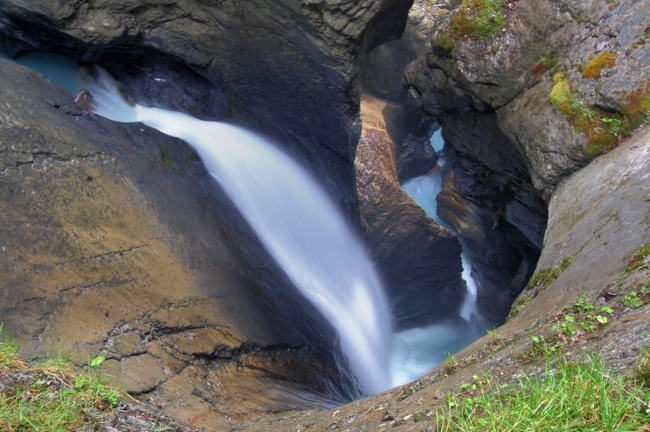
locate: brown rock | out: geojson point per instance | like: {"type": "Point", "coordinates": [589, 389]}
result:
{"type": "Point", "coordinates": [418, 260]}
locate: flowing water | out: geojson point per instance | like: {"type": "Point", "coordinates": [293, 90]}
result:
{"type": "Point", "coordinates": [304, 232]}
{"type": "Point", "coordinates": [421, 349]}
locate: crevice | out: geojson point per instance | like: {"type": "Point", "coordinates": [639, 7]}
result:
{"type": "Point", "coordinates": [102, 255]}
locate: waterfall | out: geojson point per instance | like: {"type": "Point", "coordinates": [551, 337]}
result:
{"type": "Point", "coordinates": [304, 232]}
{"type": "Point", "coordinates": [426, 347]}
{"type": "Point", "coordinates": [294, 219]}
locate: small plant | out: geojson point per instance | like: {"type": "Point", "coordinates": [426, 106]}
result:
{"type": "Point", "coordinates": [164, 157]}
{"type": "Point", "coordinates": [637, 259]}
{"type": "Point", "coordinates": [541, 348]}
{"type": "Point", "coordinates": [451, 364]}
{"type": "Point", "coordinates": [419, 417]}
{"type": "Point", "coordinates": [566, 328]}
{"type": "Point", "coordinates": [582, 305]}
{"type": "Point", "coordinates": [632, 300]}
{"type": "Point", "coordinates": [614, 125]}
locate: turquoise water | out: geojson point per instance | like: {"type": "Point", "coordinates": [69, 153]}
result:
{"type": "Point", "coordinates": [60, 69]}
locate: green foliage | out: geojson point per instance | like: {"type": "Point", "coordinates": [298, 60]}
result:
{"type": "Point", "coordinates": [567, 327]}
{"type": "Point", "coordinates": [614, 125]}
{"type": "Point", "coordinates": [480, 18]}
{"type": "Point", "coordinates": [48, 396]}
{"type": "Point", "coordinates": [164, 157]}
{"type": "Point", "coordinates": [582, 305]}
{"type": "Point", "coordinates": [187, 159]}
{"type": "Point", "coordinates": [97, 361]}
{"type": "Point", "coordinates": [601, 128]}
{"type": "Point", "coordinates": [446, 42]}
{"type": "Point", "coordinates": [632, 300]}
{"type": "Point", "coordinates": [637, 259]}
{"type": "Point", "coordinates": [567, 397]}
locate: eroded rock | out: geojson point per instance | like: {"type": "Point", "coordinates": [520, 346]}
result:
{"type": "Point", "coordinates": [287, 68]}
{"type": "Point", "coordinates": [425, 284]}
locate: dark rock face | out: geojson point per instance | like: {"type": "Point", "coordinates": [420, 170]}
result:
{"type": "Point", "coordinates": [424, 283]}
{"type": "Point", "coordinates": [503, 259]}
{"type": "Point", "coordinates": [490, 173]}
{"type": "Point", "coordinates": [284, 68]}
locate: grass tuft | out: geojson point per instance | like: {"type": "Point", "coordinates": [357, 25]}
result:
{"type": "Point", "coordinates": [49, 396]}
{"type": "Point", "coordinates": [566, 397]}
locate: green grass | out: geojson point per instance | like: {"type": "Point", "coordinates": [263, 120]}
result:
{"type": "Point", "coordinates": [566, 397]}
{"type": "Point", "coordinates": [48, 396]}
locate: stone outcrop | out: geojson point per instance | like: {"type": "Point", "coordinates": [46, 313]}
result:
{"type": "Point", "coordinates": [425, 284]}
{"type": "Point", "coordinates": [562, 79]}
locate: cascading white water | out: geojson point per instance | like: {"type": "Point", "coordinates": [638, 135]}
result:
{"type": "Point", "coordinates": [295, 220]}
{"type": "Point", "coordinates": [303, 230]}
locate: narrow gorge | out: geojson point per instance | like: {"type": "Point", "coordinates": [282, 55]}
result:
{"type": "Point", "coordinates": [282, 215]}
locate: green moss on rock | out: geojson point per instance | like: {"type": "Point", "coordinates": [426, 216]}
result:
{"type": "Point", "coordinates": [637, 259]}
{"type": "Point", "coordinates": [482, 18]}
{"type": "Point", "coordinates": [547, 276]}
{"type": "Point", "coordinates": [594, 68]}
{"type": "Point", "coordinates": [601, 128]}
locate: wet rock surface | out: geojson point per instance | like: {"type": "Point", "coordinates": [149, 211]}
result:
{"type": "Point", "coordinates": [608, 197]}
{"type": "Point", "coordinates": [502, 259]}
{"type": "Point", "coordinates": [425, 285]}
